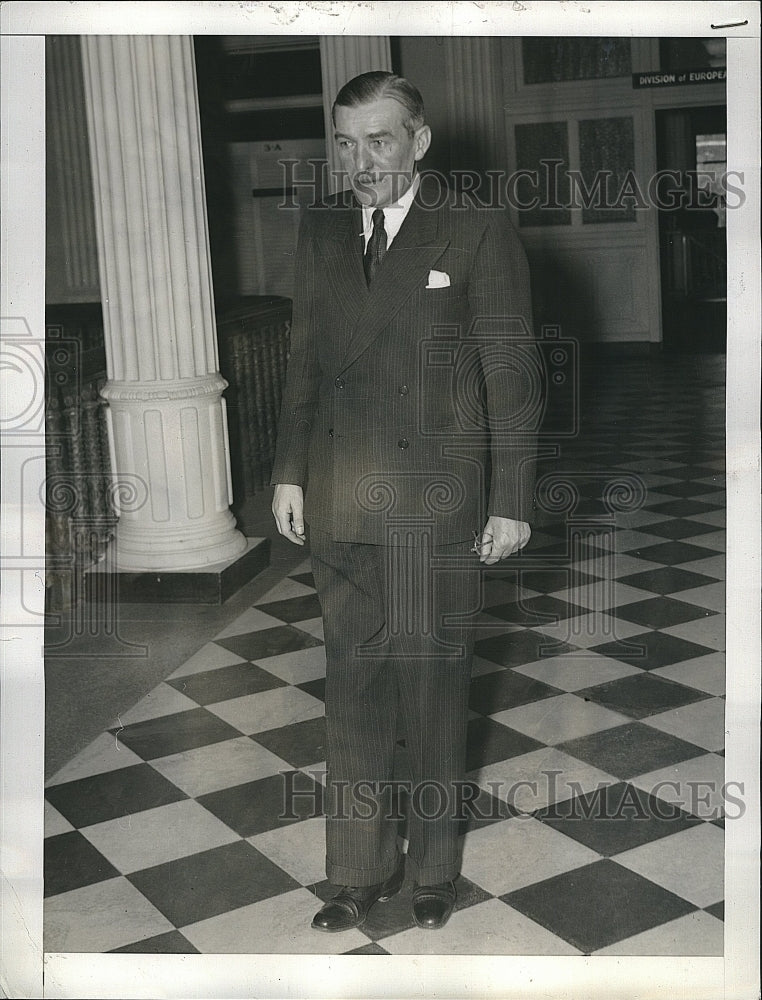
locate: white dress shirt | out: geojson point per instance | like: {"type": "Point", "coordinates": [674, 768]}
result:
{"type": "Point", "coordinates": [394, 214]}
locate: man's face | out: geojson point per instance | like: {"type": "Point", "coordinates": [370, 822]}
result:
{"type": "Point", "coordinates": [377, 151]}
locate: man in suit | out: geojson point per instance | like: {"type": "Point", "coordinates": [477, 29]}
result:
{"type": "Point", "coordinates": [406, 443]}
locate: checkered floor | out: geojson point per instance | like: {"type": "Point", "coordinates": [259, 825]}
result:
{"type": "Point", "coordinates": [596, 733]}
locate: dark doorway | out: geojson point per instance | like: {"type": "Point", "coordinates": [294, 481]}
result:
{"type": "Point", "coordinates": [692, 241]}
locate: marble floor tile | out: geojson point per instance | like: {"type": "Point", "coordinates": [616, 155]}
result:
{"type": "Point", "coordinates": [533, 780]}
{"type": "Point", "coordinates": [105, 753]}
{"type": "Point", "coordinates": [98, 798]}
{"type": "Point", "coordinates": [252, 620]}
{"type": "Point", "coordinates": [707, 631]}
{"type": "Point", "coordinates": [256, 713]}
{"type": "Point", "coordinates": [630, 749]}
{"type": "Point", "coordinates": [517, 852]}
{"type": "Point", "coordinates": [279, 925]}
{"type": "Point", "coordinates": [695, 784]}
{"type": "Point", "coordinates": [598, 904]}
{"type": "Point", "coordinates": [702, 722]}
{"type": "Point", "coordinates": [696, 934]}
{"type": "Point", "coordinates": [297, 667]}
{"type": "Point", "coordinates": [208, 657]}
{"type": "Point", "coordinates": [54, 823]}
{"type": "Point", "coordinates": [593, 629]}
{"type": "Point", "coordinates": [154, 836]}
{"type": "Point", "coordinates": [71, 862]}
{"type": "Point", "coordinates": [718, 518]}
{"type": "Point", "coordinates": [266, 642]}
{"type": "Point", "coordinates": [489, 741]}
{"type": "Point", "coordinates": [285, 589]}
{"type": "Point", "coordinates": [689, 864]}
{"type": "Point", "coordinates": [578, 669]}
{"type": "Point", "coordinates": [559, 718]}
{"type": "Point", "coordinates": [715, 565]}
{"type": "Point", "coordinates": [97, 918]}
{"type": "Point", "coordinates": [493, 692]}
{"type": "Point", "coordinates": [163, 700]}
{"type": "Point", "coordinates": [490, 928]}
{"type": "Point", "coordinates": [271, 803]}
{"type": "Point", "coordinates": [298, 849]}
{"type": "Point", "coordinates": [640, 696]}
{"type": "Point", "coordinates": [652, 649]}
{"type": "Point", "coordinates": [710, 596]}
{"type": "Point", "coordinates": [211, 882]}
{"type": "Point", "coordinates": [226, 683]}
{"type": "Point", "coordinates": [313, 627]}
{"type": "Point", "coordinates": [620, 564]}
{"type": "Point", "coordinates": [602, 595]}
{"type": "Point", "coordinates": [174, 733]}
{"type": "Point", "coordinates": [705, 673]}
{"type": "Point", "coordinates": [711, 540]}
{"type": "Point", "coordinates": [221, 765]}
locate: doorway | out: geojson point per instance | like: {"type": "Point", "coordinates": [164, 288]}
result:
{"type": "Point", "coordinates": [692, 237]}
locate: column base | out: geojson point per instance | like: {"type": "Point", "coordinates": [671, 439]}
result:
{"type": "Point", "coordinates": [212, 584]}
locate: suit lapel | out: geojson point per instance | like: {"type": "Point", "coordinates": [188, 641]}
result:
{"type": "Point", "coordinates": [341, 249]}
{"type": "Point", "coordinates": [416, 247]}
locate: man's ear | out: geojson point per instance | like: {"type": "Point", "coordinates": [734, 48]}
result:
{"type": "Point", "coordinates": [422, 141]}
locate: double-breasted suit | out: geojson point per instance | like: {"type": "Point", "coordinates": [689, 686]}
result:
{"type": "Point", "coordinates": [409, 416]}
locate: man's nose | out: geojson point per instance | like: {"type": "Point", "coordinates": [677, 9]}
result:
{"type": "Point", "coordinates": [363, 159]}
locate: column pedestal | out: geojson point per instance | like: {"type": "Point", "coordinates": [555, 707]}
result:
{"type": "Point", "coordinates": [212, 584]}
{"type": "Point", "coordinates": [173, 505]}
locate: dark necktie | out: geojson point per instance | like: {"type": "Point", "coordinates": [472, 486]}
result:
{"type": "Point", "coordinates": [374, 252]}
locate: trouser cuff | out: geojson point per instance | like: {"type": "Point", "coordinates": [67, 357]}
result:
{"type": "Point", "coordinates": [342, 875]}
{"type": "Point", "coordinates": [434, 874]}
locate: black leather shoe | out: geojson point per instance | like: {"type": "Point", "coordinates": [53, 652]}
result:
{"type": "Point", "coordinates": [351, 904]}
{"type": "Point", "coordinates": [433, 904]}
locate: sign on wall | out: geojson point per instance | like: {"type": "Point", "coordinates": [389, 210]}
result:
{"type": "Point", "coordinates": [678, 78]}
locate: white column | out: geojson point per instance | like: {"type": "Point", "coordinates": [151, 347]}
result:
{"type": "Point", "coordinates": [341, 59]}
{"type": "Point", "coordinates": [474, 88]}
{"type": "Point", "coordinates": [167, 421]}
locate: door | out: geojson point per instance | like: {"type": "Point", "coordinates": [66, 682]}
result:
{"type": "Point", "coordinates": [692, 244]}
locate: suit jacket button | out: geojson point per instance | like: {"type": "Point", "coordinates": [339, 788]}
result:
{"type": "Point", "coordinates": [403, 443]}
{"type": "Point", "coordinates": [339, 382]}
{"type": "Point", "coordinates": [403, 390]}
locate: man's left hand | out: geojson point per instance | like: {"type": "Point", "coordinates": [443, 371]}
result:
{"type": "Point", "coordinates": [502, 536]}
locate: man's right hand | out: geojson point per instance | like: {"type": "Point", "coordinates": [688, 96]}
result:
{"type": "Point", "coordinates": [288, 510]}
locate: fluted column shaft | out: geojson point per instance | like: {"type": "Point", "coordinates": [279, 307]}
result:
{"type": "Point", "coordinates": [72, 257]}
{"type": "Point", "coordinates": [474, 86]}
{"type": "Point", "coordinates": [341, 59]}
{"type": "Point", "coordinates": [167, 421]}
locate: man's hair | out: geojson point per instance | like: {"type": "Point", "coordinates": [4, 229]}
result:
{"type": "Point", "coordinates": [376, 85]}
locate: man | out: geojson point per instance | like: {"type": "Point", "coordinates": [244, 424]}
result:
{"type": "Point", "coordinates": [404, 444]}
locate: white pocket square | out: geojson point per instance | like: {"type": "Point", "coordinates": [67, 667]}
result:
{"type": "Point", "coordinates": [438, 279]}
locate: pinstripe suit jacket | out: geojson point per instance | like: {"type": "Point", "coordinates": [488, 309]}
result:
{"type": "Point", "coordinates": [408, 406]}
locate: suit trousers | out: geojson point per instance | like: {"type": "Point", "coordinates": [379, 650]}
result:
{"type": "Point", "coordinates": [399, 633]}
